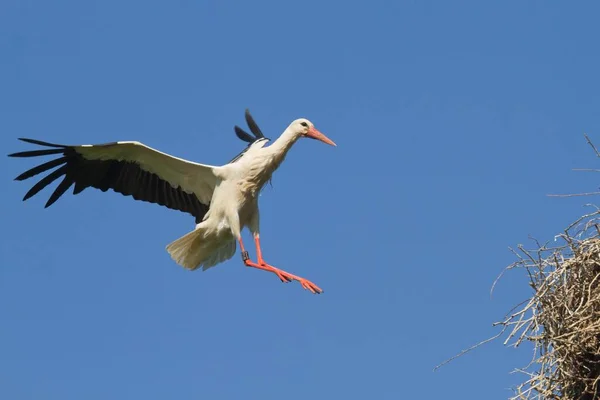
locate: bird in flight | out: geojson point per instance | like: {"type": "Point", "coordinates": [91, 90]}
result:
{"type": "Point", "coordinates": [223, 199]}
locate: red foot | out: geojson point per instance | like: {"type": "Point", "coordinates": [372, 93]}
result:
{"type": "Point", "coordinates": [285, 277]}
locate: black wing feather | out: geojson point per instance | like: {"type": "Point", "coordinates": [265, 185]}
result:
{"type": "Point", "coordinates": [242, 134]}
{"type": "Point", "coordinates": [48, 179]}
{"type": "Point", "coordinates": [34, 141]}
{"type": "Point", "coordinates": [246, 137]}
{"type": "Point", "coordinates": [253, 125]}
{"type": "Point", "coordinates": [62, 187]}
{"type": "Point", "coordinates": [41, 168]}
{"type": "Point", "coordinates": [35, 153]}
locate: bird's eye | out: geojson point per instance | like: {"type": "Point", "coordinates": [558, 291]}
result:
{"type": "Point", "coordinates": [303, 124]}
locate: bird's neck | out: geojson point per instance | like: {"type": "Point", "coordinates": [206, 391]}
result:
{"type": "Point", "coordinates": [284, 143]}
{"type": "Point", "coordinates": [261, 167]}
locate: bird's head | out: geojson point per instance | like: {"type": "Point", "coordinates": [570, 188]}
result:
{"type": "Point", "coordinates": [304, 128]}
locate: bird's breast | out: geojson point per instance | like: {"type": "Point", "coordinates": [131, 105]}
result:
{"type": "Point", "coordinates": [256, 174]}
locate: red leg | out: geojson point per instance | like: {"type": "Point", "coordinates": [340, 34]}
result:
{"type": "Point", "coordinates": [284, 276]}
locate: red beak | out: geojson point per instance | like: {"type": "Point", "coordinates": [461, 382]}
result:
{"type": "Point", "coordinates": [315, 134]}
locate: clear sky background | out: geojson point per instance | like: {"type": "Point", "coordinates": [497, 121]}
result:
{"type": "Point", "coordinates": [453, 120]}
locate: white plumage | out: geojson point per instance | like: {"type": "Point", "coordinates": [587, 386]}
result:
{"type": "Point", "coordinates": [224, 199]}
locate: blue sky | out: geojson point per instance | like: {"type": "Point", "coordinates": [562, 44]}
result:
{"type": "Point", "coordinates": [453, 121]}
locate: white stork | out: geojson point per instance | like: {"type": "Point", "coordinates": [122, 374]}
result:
{"type": "Point", "coordinates": [223, 199]}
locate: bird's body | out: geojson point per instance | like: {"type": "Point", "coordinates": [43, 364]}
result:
{"type": "Point", "coordinates": [223, 199]}
{"type": "Point", "coordinates": [234, 206]}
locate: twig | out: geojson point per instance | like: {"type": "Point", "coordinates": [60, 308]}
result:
{"type": "Point", "coordinates": [591, 144]}
{"type": "Point", "coordinates": [470, 348]}
{"type": "Point", "coordinates": [573, 194]}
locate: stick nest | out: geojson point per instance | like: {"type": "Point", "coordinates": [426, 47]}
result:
{"type": "Point", "coordinates": [562, 318]}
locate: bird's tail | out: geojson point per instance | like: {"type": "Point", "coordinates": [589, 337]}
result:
{"type": "Point", "coordinates": [195, 250]}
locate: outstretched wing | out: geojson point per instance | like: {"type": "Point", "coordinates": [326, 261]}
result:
{"type": "Point", "coordinates": [256, 138]}
{"type": "Point", "coordinates": [130, 168]}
